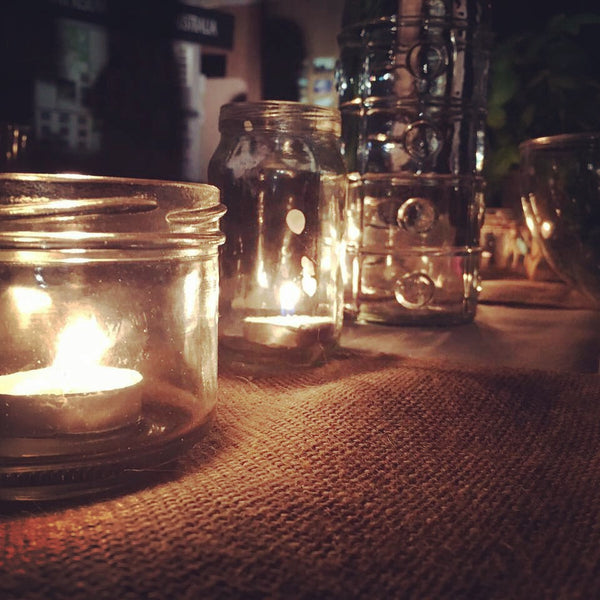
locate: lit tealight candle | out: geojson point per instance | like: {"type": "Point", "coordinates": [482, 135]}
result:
{"type": "Point", "coordinates": [289, 331]}
{"type": "Point", "coordinates": [74, 395]}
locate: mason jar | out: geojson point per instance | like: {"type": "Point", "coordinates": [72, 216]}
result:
{"type": "Point", "coordinates": [108, 300]}
{"type": "Point", "coordinates": [281, 174]}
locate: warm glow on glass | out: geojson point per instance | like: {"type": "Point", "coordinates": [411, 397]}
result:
{"type": "Point", "coordinates": [261, 276]}
{"type": "Point", "coordinates": [30, 300]}
{"type": "Point", "coordinates": [530, 223]}
{"type": "Point", "coordinates": [191, 294]}
{"type": "Point", "coordinates": [547, 229]}
{"type": "Point", "coordinates": [355, 276]}
{"type": "Point", "coordinates": [75, 235]}
{"type": "Point", "coordinates": [309, 285]}
{"type": "Point", "coordinates": [353, 232]}
{"type": "Point", "coordinates": [296, 221]}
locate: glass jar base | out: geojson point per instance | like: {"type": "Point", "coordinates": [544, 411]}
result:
{"type": "Point", "coordinates": [390, 313]}
{"type": "Point", "coordinates": [73, 466]}
{"type": "Point", "coordinates": [238, 355]}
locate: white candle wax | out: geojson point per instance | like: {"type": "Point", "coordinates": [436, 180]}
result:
{"type": "Point", "coordinates": [289, 331]}
{"type": "Point", "coordinates": [85, 399]}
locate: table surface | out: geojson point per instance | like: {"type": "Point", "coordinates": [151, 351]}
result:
{"type": "Point", "coordinates": [523, 337]}
{"type": "Point", "coordinates": [457, 463]}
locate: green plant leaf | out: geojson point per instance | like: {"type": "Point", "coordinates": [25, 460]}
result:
{"type": "Point", "coordinates": [504, 85]}
{"type": "Point", "coordinates": [528, 115]}
{"type": "Point", "coordinates": [496, 118]}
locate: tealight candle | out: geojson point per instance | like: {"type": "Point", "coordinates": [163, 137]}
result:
{"type": "Point", "coordinates": [51, 400]}
{"type": "Point", "coordinates": [73, 395]}
{"type": "Point", "coordinates": [288, 331]}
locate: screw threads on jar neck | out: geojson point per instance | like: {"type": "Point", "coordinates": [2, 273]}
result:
{"type": "Point", "coordinates": [275, 115]}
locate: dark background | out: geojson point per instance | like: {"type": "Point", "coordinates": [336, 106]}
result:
{"type": "Point", "coordinates": [512, 16]}
{"type": "Point", "coordinates": [144, 130]}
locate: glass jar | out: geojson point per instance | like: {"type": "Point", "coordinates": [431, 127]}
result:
{"type": "Point", "coordinates": [412, 85]}
{"type": "Point", "coordinates": [108, 300]}
{"type": "Point", "coordinates": [280, 171]}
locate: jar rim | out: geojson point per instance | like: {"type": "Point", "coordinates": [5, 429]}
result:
{"type": "Point", "coordinates": [282, 115]}
{"type": "Point", "coordinates": [560, 141]}
{"type": "Point", "coordinates": [75, 210]}
{"type": "Point", "coordinates": [74, 178]}
{"type": "Point", "coordinates": [482, 15]}
{"type": "Point", "coordinates": [47, 241]}
{"type": "Point", "coordinates": [83, 186]}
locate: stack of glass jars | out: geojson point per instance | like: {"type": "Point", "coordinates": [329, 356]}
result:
{"type": "Point", "coordinates": [412, 91]}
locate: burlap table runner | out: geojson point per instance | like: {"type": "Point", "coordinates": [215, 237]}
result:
{"type": "Point", "coordinates": [370, 477]}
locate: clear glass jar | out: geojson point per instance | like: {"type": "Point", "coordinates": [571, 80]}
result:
{"type": "Point", "coordinates": [412, 85]}
{"type": "Point", "coordinates": [281, 174]}
{"type": "Point", "coordinates": [108, 300]}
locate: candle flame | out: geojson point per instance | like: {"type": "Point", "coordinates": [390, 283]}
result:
{"type": "Point", "coordinates": [289, 294]}
{"type": "Point", "coordinates": [82, 343]}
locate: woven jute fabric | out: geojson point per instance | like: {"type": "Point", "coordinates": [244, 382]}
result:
{"type": "Point", "coordinates": [370, 477]}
